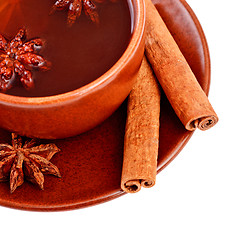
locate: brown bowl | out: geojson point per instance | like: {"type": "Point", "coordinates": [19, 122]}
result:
{"type": "Point", "coordinates": [77, 111]}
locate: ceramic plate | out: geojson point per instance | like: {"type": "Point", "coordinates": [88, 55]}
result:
{"type": "Point", "coordinates": [90, 164]}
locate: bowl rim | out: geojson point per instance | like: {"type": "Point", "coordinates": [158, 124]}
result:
{"type": "Point", "coordinates": [105, 79]}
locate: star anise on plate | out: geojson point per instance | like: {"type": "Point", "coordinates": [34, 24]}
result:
{"type": "Point", "coordinates": [75, 8]}
{"type": "Point", "coordinates": [23, 159]}
{"type": "Point", "coordinates": [19, 58]}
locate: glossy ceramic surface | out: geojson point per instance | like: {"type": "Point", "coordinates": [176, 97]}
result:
{"type": "Point", "coordinates": [90, 164]}
{"type": "Point", "coordinates": [77, 111]}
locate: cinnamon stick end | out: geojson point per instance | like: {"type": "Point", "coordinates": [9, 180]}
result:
{"type": "Point", "coordinates": [131, 186]}
{"type": "Point", "coordinates": [147, 183]}
{"type": "Point", "coordinates": [203, 123]}
{"type": "Point", "coordinates": [207, 122]}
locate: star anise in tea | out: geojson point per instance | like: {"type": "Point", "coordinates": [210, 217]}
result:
{"type": "Point", "coordinates": [25, 160]}
{"type": "Point", "coordinates": [19, 58]}
{"type": "Point", "coordinates": [75, 8]}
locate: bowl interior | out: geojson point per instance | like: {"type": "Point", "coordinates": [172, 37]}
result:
{"type": "Point", "coordinates": [138, 20]}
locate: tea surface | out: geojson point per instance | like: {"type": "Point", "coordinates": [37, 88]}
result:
{"type": "Point", "coordinates": [79, 54]}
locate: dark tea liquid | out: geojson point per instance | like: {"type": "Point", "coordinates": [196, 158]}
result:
{"type": "Point", "coordinates": [79, 54]}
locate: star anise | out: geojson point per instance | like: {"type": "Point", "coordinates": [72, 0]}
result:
{"type": "Point", "coordinates": [26, 159]}
{"type": "Point", "coordinates": [75, 8]}
{"type": "Point", "coordinates": [18, 58]}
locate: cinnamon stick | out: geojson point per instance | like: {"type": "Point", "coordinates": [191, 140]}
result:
{"type": "Point", "coordinates": [142, 132]}
{"type": "Point", "coordinates": [175, 76]}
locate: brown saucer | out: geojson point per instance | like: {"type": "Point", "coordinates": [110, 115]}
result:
{"type": "Point", "coordinates": [90, 164]}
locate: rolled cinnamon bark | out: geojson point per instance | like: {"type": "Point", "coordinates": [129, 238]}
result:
{"type": "Point", "coordinates": [142, 132]}
{"type": "Point", "coordinates": [175, 76]}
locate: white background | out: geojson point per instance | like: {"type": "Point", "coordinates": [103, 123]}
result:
{"type": "Point", "coordinates": [197, 195]}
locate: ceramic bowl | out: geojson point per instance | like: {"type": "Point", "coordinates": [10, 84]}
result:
{"type": "Point", "coordinates": [77, 111]}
